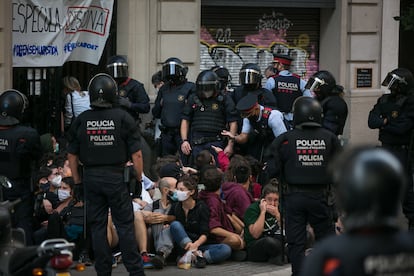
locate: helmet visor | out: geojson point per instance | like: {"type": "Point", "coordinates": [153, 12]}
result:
{"type": "Point", "coordinates": [118, 70]}
{"type": "Point", "coordinates": [391, 81]}
{"type": "Point", "coordinates": [249, 76]}
{"type": "Point", "coordinates": [207, 88]}
{"type": "Point", "coordinates": [314, 84]}
{"type": "Point", "coordinates": [171, 69]}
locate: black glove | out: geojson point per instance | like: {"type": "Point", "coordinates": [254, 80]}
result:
{"type": "Point", "coordinates": [124, 101]}
{"type": "Point", "coordinates": [78, 191]}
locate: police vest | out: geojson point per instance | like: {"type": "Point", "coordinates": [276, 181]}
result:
{"type": "Point", "coordinates": [173, 102]}
{"type": "Point", "coordinates": [17, 146]}
{"type": "Point", "coordinates": [209, 115]}
{"type": "Point", "coordinates": [261, 127]}
{"type": "Point", "coordinates": [309, 152]}
{"type": "Point", "coordinates": [101, 137]}
{"type": "Point", "coordinates": [287, 89]}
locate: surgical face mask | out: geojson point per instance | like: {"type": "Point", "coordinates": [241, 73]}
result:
{"type": "Point", "coordinates": [182, 195]}
{"type": "Point", "coordinates": [63, 194]}
{"type": "Point", "coordinates": [173, 195]}
{"type": "Point", "coordinates": [56, 181]}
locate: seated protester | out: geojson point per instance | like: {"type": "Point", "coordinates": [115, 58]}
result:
{"type": "Point", "coordinates": [206, 158]}
{"type": "Point", "coordinates": [235, 191]}
{"type": "Point", "coordinates": [255, 188]}
{"type": "Point", "coordinates": [113, 239]}
{"type": "Point", "coordinates": [160, 220]}
{"type": "Point", "coordinates": [220, 224]}
{"type": "Point", "coordinates": [141, 201]}
{"type": "Point", "coordinates": [46, 200]}
{"type": "Point", "coordinates": [262, 230]}
{"type": "Point", "coordinates": [190, 230]}
{"type": "Point", "coordinates": [68, 219]}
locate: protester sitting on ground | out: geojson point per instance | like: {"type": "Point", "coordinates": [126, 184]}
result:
{"type": "Point", "coordinates": [206, 158]}
{"type": "Point", "coordinates": [190, 228]}
{"type": "Point", "coordinates": [262, 231]}
{"type": "Point", "coordinates": [220, 224]}
{"type": "Point", "coordinates": [235, 191]}
{"type": "Point", "coordinates": [142, 202]}
{"type": "Point", "coordinates": [160, 219]}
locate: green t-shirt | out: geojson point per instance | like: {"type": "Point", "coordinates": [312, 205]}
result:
{"type": "Point", "coordinates": [271, 227]}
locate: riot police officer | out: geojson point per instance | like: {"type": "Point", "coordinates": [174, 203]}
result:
{"type": "Point", "coordinates": [393, 115]}
{"type": "Point", "coordinates": [250, 79]}
{"type": "Point", "coordinates": [286, 86]}
{"type": "Point", "coordinates": [224, 78]}
{"type": "Point", "coordinates": [259, 127]}
{"type": "Point", "coordinates": [170, 102]}
{"type": "Point", "coordinates": [20, 149]}
{"type": "Point", "coordinates": [301, 157]}
{"type": "Point", "coordinates": [205, 115]}
{"type": "Point", "coordinates": [133, 98]}
{"type": "Point", "coordinates": [370, 183]}
{"type": "Point", "coordinates": [132, 95]}
{"type": "Point", "coordinates": [103, 140]}
{"type": "Point", "coordinates": [330, 95]}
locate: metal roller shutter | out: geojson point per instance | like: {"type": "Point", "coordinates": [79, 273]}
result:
{"type": "Point", "coordinates": [231, 36]}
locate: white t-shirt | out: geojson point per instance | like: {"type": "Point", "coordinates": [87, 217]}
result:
{"type": "Point", "coordinates": [80, 104]}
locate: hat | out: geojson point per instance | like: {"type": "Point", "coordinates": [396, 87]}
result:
{"type": "Point", "coordinates": [171, 170]}
{"type": "Point", "coordinates": [247, 103]}
{"type": "Point", "coordinates": [283, 59]}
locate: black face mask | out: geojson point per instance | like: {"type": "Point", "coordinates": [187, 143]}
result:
{"type": "Point", "coordinates": [44, 187]}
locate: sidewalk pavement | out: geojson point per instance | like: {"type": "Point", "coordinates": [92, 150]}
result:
{"type": "Point", "coordinates": [225, 269]}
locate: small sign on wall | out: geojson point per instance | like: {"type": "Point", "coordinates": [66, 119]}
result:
{"type": "Point", "coordinates": [363, 78]}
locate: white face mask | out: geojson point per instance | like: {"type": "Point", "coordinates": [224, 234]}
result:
{"type": "Point", "coordinates": [56, 181]}
{"type": "Point", "coordinates": [182, 195]}
{"type": "Point", "coordinates": [63, 194]}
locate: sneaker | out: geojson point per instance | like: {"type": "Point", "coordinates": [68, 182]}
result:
{"type": "Point", "coordinates": [114, 263]}
{"type": "Point", "coordinates": [84, 259]}
{"type": "Point", "coordinates": [158, 261]}
{"type": "Point", "coordinates": [198, 260]}
{"type": "Point", "coordinates": [146, 260]}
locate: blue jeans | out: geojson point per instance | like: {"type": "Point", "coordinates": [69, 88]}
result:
{"type": "Point", "coordinates": [214, 253]}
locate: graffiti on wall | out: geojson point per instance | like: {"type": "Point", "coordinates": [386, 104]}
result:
{"type": "Point", "coordinates": [219, 47]}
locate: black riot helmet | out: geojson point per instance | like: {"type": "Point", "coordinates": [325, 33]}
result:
{"type": "Point", "coordinates": [207, 84]}
{"type": "Point", "coordinates": [307, 111]}
{"type": "Point", "coordinates": [223, 75]}
{"type": "Point", "coordinates": [118, 67]}
{"type": "Point", "coordinates": [370, 182]}
{"type": "Point", "coordinates": [12, 106]}
{"type": "Point", "coordinates": [103, 91]}
{"type": "Point", "coordinates": [322, 83]}
{"type": "Point", "coordinates": [250, 75]}
{"type": "Point", "coordinates": [399, 80]}
{"type": "Point", "coordinates": [173, 70]}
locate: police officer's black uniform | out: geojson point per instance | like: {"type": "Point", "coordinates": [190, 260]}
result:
{"type": "Point", "coordinates": [370, 184]}
{"type": "Point", "coordinates": [132, 94]}
{"type": "Point", "coordinates": [329, 94]}
{"type": "Point", "coordinates": [207, 113]}
{"type": "Point", "coordinates": [104, 139]}
{"type": "Point", "coordinates": [170, 101]}
{"type": "Point", "coordinates": [20, 149]}
{"type": "Point", "coordinates": [393, 115]}
{"type": "Point", "coordinates": [301, 156]}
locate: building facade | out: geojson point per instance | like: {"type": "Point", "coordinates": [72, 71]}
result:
{"type": "Point", "coordinates": [357, 40]}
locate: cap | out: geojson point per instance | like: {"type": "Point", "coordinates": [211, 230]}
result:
{"type": "Point", "coordinates": [247, 103]}
{"type": "Point", "coordinates": [171, 170]}
{"type": "Point", "coordinates": [283, 59]}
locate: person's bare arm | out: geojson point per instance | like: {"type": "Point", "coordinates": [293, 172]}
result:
{"type": "Point", "coordinates": [138, 164]}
